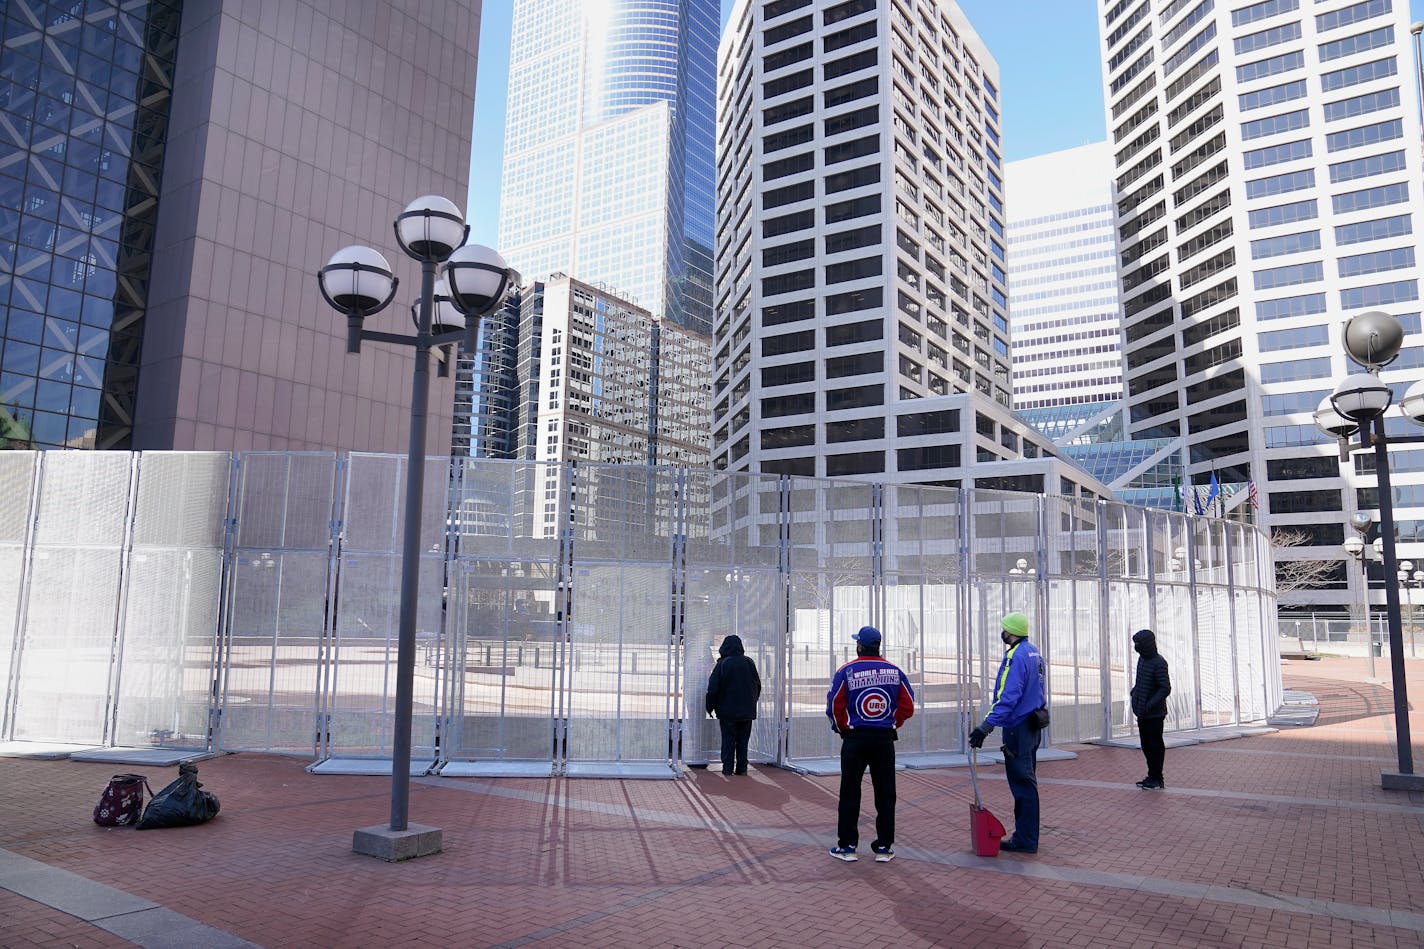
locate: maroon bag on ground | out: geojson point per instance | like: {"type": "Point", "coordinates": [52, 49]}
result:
{"type": "Point", "coordinates": [121, 804]}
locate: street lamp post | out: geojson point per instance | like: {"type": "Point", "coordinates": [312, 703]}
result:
{"type": "Point", "coordinates": [1409, 578]}
{"type": "Point", "coordinates": [1358, 405]}
{"type": "Point", "coordinates": [1359, 551]}
{"type": "Point", "coordinates": [358, 282]}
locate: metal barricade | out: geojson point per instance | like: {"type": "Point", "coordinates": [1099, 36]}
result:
{"type": "Point", "coordinates": [622, 667]}
{"type": "Point", "coordinates": [506, 645]}
{"type": "Point", "coordinates": [65, 675]}
{"type": "Point", "coordinates": [570, 614]}
{"type": "Point", "coordinates": [279, 588]}
{"type": "Point", "coordinates": [359, 696]}
{"type": "Point", "coordinates": [172, 599]}
{"type": "Point", "coordinates": [19, 483]}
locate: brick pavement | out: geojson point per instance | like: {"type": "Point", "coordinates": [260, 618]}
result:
{"type": "Point", "coordinates": [1276, 840]}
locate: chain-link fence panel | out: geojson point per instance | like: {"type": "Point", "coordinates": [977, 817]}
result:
{"type": "Point", "coordinates": [70, 623]}
{"type": "Point", "coordinates": [1075, 548]}
{"type": "Point", "coordinates": [1217, 657]}
{"type": "Point", "coordinates": [1129, 609]}
{"type": "Point", "coordinates": [18, 471]}
{"type": "Point", "coordinates": [1074, 667]}
{"type": "Point", "coordinates": [173, 601]}
{"type": "Point", "coordinates": [733, 585]}
{"type": "Point", "coordinates": [359, 704]}
{"type": "Point", "coordinates": [623, 669]}
{"type": "Point", "coordinates": [831, 554]}
{"type": "Point", "coordinates": [505, 636]}
{"type": "Point", "coordinates": [279, 594]}
{"type": "Point", "coordinates": [1177, 642]}
{"type": "Point", "coordinates": [569, 616]}
{"type": "Point", "coordinates": [924, 631]}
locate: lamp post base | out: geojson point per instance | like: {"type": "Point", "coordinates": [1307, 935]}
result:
{"type": "Point", "coordinates": [1394, 781]}
{"type": "Point", "coordinates": [393, 846]}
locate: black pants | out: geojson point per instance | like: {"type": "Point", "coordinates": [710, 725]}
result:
{"type": "Point", "coordinates": [878, 754]}
{"type": "Point", "coordinates": [1021, 769]}
{"type": "Point", "coordinates": [735, 737]}
{"type": "Point", "coordinates": [1153, 748]}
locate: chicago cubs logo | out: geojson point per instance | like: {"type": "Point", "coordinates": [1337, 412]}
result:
{"type": "Point", "coordinates": [873, 704]}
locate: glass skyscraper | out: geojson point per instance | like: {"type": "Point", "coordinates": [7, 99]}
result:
{"type": "Point", "coordinates": [609, 148]}
{"type": "Point", "coordinates": [84, 103]}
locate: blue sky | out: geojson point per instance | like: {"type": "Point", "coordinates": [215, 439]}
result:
{"type": "Point", "coordinates": [1050, 75]}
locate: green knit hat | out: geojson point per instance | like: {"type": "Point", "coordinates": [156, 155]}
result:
{"type": "Point", "coordinates": [1015, 624]}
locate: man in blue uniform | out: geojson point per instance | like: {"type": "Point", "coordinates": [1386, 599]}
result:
{"type": "Point", "coordinates": [1018, 693]}
{"type": "Point", "coordinates": [869, 698]}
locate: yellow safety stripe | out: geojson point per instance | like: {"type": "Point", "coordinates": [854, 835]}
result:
{"type": "Point", "coordinates": [1004, 671]}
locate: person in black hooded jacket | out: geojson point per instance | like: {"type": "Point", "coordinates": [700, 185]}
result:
{"type": "Point", "coordinates": [1149, 704]}
{"type": "Point", "coordinates": [732, 693]}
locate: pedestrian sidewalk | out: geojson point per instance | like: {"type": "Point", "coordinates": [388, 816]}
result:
{"type": "Point", "coordinates": [1281, 839]}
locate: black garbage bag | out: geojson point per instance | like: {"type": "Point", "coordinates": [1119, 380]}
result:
{"type": "Point", "coordinates": [181, 804]}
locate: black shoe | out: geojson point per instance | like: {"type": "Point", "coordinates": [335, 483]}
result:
{"type": "Point", "coordinates": [740, 771]}
{"type": "Point", "coordinates": [1013, 846]}
{"type": "Point", "coordinates": [1151, 784]}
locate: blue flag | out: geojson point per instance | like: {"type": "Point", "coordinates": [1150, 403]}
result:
{"type": "Point", "coordinates": [1215, 490]}
{"type": "Point", "coordinates": [1197, 501]}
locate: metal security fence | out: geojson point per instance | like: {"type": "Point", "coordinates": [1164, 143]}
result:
{"type": "Point", "coordinates": [570, 614]}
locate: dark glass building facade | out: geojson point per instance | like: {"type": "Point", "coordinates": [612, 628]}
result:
{"type": "Point", "coordinates": [173, 175]}
{"type": "Point", "coordinates": [84, 103]}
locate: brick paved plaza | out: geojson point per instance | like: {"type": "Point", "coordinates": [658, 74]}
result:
{"type": "Point", "coordinates": [1277, 840]}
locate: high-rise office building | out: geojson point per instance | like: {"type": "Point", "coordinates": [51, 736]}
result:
{"type": "Point", "coordinates": [861, 298]}
{"type": "Point", "coordinates": [1268, 185]}
{"type": "Point", "coordinates": [1066, 321]}
{"type": "Point", "coordinates": [604, 395]}
{"type": "Point", "coordinates": [172, 177]}
{"type": "Point", "coordinates": [608, 149]}
{"type": "Point", "coordinates": [569, 371]}
{"type": "Point", "coordinates": [597, 380]}
{"type": "Point", "coordinates": [1064, 313]}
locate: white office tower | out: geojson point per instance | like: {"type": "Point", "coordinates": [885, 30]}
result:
{"type": "Point", "coordinates": [608, 148]}
{"type": "Point", "coordinates": [1268, 183]}
{"type": "Point", "coordinates": [1064, 314]}
{"type": "Point", "coordinates": [861, 309]}
{"type": "Point", "coordinates": [615, 386]}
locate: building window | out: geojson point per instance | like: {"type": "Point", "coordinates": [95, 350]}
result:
{"type": "Point", "coordinates": [855, 463]}
{"type": "Point", "coordinates": [793, 436]}
{"type": "Point", "coordinates": [856, 397]}
{"type": "Point", "coordinates": [855, 430]}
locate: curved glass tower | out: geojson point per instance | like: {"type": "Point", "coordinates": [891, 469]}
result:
{"type": "Point", "coordinates": [609, 148]}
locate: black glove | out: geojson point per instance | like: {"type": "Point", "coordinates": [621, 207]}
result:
{"type": "Point", "coordinates": [976, 738]}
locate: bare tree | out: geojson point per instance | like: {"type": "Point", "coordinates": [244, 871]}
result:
{"type": "Point", "coordinates": [1292, 575]}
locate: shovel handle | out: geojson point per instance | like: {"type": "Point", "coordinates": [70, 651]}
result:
{"type": "Point", "coordinates": [973, 778]}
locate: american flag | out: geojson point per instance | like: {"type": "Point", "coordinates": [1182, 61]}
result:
{"type": "Point", "coordinates": [1255, 502]}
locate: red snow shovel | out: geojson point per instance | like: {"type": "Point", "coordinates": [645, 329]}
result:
{"type": "Point", "coordinates": [984, 827]}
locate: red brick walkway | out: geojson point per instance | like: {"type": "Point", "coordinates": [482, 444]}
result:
{"type": "Point", "coordinates": [1278, 840]}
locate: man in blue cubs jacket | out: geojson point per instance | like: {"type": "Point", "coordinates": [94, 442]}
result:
{"type": "Point", "coordinates": [868, 700]}
{"type": "Point", "coordinates": [1018, 692]}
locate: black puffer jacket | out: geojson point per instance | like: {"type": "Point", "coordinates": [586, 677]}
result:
{"type": "Point", "coordinates": [1153, 684]}
{"type": "Point", "coordinates": [734, 686]}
